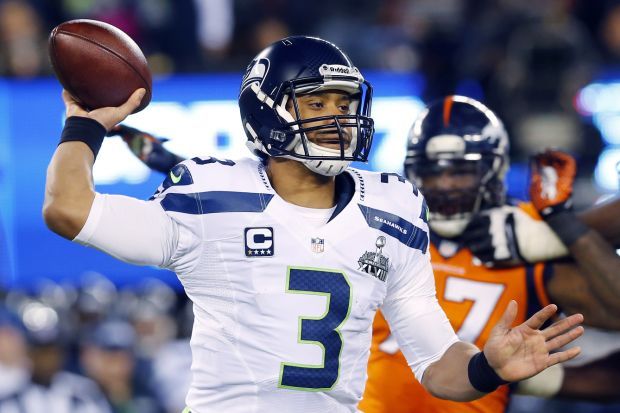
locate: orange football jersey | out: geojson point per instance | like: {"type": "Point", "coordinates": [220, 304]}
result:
{"type": "Point", "coordinates": [474, 298]}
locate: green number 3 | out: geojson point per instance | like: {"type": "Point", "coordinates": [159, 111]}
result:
{"type": "Point", "coordinates": [322, 331]}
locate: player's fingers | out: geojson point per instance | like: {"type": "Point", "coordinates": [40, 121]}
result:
{"type": "Point", "coordinates": [560, 326]}
{"type": "Point", "coordinates": [563, 356]}
{"type": "Point", "coordinates": [72, 107]}
{"type": "Point", "coordinates": [132, 103]}
{"type": "Point", "coordinates": [564, 339]}
{"type": "Point", "coordinates": [67, 98]}
{"type": "Point", "coordinates": [508, 317]}
{"type": "Point", "coordinates": [539, 318]}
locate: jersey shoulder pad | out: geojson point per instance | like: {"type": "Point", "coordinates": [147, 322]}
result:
{"type": "Point", "coordinates": [199, 175]}
{"type": "Point", "coordinates": [393, 193]}
{"type": "Point", "coordinates": [394, 206]}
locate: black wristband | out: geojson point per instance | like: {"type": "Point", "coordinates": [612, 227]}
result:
{"type": "Point", "coordinates": [567, 226]}
{"type": "Point", "coordinates": [482, 376]}
{"type": "Point", "coordinates": [85, 130]}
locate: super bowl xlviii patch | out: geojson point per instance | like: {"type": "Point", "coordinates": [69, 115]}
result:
{"type": "Point", "coordinates": [375, 263]}
{"type": "Point", "coordinates": [259, 242]}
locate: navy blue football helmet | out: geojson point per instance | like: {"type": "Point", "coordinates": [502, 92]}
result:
{"type": "Point", "coordinates": [459, 135]}
{"type": "Point", "coordinates": [295, 66]}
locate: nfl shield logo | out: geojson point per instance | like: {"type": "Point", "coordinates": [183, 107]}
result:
{"type": "Point", "coordinates": [318, 245]}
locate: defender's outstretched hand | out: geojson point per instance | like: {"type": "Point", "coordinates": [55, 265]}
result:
{"type": "Point", "coordinates": [553, 174]}
{"type": "Point", "coordinates": [108, 117]}
{"type": "Point", "coordinates": [525, 350]}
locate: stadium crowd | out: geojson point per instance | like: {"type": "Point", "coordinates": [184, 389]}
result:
{"type": "Point", "coordinates": [95, 348]}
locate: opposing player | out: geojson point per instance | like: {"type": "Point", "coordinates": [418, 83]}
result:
{"type": "Point", "coordinates": [458, 155]}
{"type": "Point", "coordinates": [288, 259]}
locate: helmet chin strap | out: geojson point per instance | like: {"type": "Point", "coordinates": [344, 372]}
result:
{"type": "Point", "coordinates": [326, 168]}
{"type": "Point", "coordinates": [448, 228]}
{"type": "Point", "coordinates": [320, 166]}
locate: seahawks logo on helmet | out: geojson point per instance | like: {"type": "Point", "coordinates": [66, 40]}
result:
{"type": "Point", "coordinates": [256, 72]}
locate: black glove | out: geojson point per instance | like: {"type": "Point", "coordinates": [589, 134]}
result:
{"type": "Point", "coordinates": [491, 237]}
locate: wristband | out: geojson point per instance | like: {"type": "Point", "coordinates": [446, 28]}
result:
{"type": "Point", "coordinates": [481, 375]}
{"type": "Point", "coordinates": [85, 130]}
{"type": "Point", "coordinates": [567, 226]}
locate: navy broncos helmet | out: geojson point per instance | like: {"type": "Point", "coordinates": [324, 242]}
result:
{"type": "Point", "coordinates": [296, 66]}
{"type": "Point", "coordinates": [461, 135]}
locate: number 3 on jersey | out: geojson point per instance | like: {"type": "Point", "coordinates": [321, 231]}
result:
{"type": "Point", "coordinates": [322, 331]}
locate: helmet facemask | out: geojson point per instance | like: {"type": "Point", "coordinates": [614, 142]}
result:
{"type": "Point", "coordinates": [476, 185]}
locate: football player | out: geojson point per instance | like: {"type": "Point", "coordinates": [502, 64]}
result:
{"type": "Point", "coordinates": [458, 156]}
{"type": "Point", "coordinates": [287, 259]}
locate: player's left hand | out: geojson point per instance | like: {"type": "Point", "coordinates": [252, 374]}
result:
{"type": "Point", "coordinates": [525, 350]}
{"type": "Point", "coordinates": [553, 174]}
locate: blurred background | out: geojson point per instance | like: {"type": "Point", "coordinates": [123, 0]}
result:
{"type": "Point", "coordinates": [549, 68]}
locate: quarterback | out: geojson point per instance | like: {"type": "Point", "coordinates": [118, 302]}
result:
{"type": "Point", "coordinates": [288, 258]}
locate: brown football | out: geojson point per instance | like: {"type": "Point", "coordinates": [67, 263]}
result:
{"type": "Point", "coordinates": [98, 64]}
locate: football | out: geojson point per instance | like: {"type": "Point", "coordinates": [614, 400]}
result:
{"type": "Point", "coordinates": [98, 64]}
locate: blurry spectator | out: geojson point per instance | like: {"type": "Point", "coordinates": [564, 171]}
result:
{"type": "Point", "coordinates": [548, 59]}
{"type": "Point", "coordinates": [268, 31]}
{"type": "Point", "coordinates": [13, 355]}
{"type": "Point", "coordinates": [176, 36]}
{"type": "Point", "coordinates": [216, 24]}
{"type": "Point", "coordinates": [40, 385]}
{"type": "Point", "coordinates": [172, 364]}
{"type": "Point", "coordinates": [108, 358]}
{"type": "Point", "coordinates": [152, 316]}
{"type": "Point", "coordinates": [96, 299]}
{"type": "Point", "coordinates": [23, 41]}
{"type": "Point", "coordinates": [438, 28]}
{"type": "Point", "coordinates": [610, 34]}
{"type": "Point", "coordinates": [45, 342]}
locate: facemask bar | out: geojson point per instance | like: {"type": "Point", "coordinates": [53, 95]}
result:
{"type": "Point", "coordinates": [360, 124]}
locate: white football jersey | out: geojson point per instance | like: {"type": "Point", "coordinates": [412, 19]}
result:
{"type": "Point", "coordinates": [283, 305]}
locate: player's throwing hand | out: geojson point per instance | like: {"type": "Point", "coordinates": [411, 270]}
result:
{"type": "Point", "coordinates": [108, 117]}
